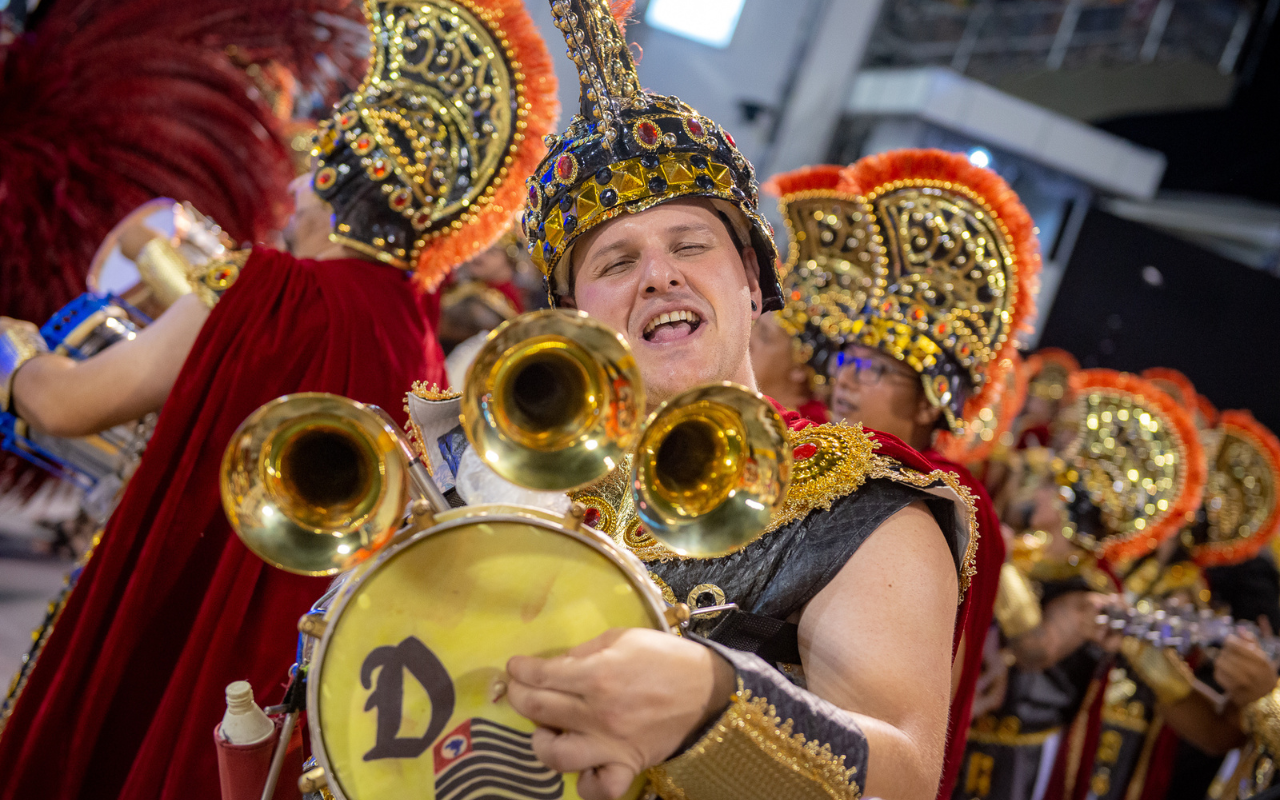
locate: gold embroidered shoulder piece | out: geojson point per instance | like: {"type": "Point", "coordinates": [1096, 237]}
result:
{"type": "Point", "coordinates": [212, 279]}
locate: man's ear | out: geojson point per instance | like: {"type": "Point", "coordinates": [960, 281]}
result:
{"type": "Point", "coordinates": [751, 264]}
{"type": "Point", "coordinates": [567, 301]}
{"type": "Point", "coordinates": [927, 413]}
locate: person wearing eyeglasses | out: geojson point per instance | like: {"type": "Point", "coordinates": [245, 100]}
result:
{"type": "Point", "coordinates": [909, 275]}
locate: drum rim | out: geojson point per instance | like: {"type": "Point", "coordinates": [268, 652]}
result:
{"type": "Point", "coordinates": [602, 544]}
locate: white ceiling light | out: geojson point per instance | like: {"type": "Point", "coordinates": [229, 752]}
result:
{"type": "Point", "coordinates": [709, 22]}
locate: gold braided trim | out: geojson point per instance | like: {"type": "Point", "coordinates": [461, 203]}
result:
{"type": "Point", "coordinates": [838, 467]}
{"type": "Point", "coordinates": [1262, 720]}
{"type": "Point", "coordinates": [1007, 732]}
{"type": "Point", "coordinates": [751, 752]}
{"type": "Point", "coordinates": [842, 459]}
{"type": "Point", "coordinates": [210, 280]}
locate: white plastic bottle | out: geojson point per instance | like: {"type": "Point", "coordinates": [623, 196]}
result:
{"type": "Point", "coordinates": [244, 722]}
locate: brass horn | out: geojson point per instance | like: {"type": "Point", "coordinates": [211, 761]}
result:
{"type": "Point", "coordinates": [553, 400]}
{"type": "Point", "coordinates": [314, 483]}
{"type": "Point", "coordinates": [711, 469]}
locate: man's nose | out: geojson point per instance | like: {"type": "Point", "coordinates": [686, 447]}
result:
{"type": "Point", "coordinates": [661, 275]}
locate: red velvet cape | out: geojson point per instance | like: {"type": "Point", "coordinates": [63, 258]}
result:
{"type": "Point", "coordinates": [172, 607]}
{"type": "Point", "coordinates": [975, 618]}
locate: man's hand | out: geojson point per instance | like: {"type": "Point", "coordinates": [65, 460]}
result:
{"type": "Point", "coordinates": [618, 704]}
{"type": "Point", "coordinates": [1243, 670]}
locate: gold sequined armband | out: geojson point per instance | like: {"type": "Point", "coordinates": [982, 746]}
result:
{"type": "Point", "coordinates": [751, 752]}
{"type": "Point", "coordinates": [209, 281]}
{"type": "Point", "coordinates": [164, 271]}
{"type": "Point", "coordinates": [1162, 671]}
{"type": "Point", "coordinates": [1262, 720]}
{"type": "Point", "coordinates": [1017, 608]}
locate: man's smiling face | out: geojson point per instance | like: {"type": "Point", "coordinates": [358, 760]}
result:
{"type": "Point", "coordinates": [673, 282]}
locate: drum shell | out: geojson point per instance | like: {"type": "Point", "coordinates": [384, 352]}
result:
{"type": "Point", "coordinates": [647, 599]}
{"type": "Point", "coordinates": [88, 325]}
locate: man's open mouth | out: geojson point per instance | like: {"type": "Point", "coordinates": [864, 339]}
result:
{"type": "Point", "coordinates": [671, 326]}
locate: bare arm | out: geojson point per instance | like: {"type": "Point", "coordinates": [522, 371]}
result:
{"type": "Point", "coordinates": [877, 642]}
{"type": "Point", "coordinates": [1195, 719]}
{"type": "Point", "coordinates": [63, 397]}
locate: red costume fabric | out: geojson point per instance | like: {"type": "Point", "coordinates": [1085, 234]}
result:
{"type": "Point", "coordinates": [814, 410]}
{"type": "Point", "coordinates": [172, 607]}
{"type": "Point", "coordinates": [975, 617]}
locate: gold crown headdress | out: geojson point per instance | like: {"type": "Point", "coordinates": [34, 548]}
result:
{"type": "Point", "coordinates": [1135, 471]}
{"type": "Point", "coordinates": [1241, 509]}
{"type": "Point", "coordinates": [917, 253]}
{"type": "Point", "coordinates": [425, 162]}
{"type": "Point", "coordinates": [835, 260]}
{"type": "Point", "coordinates": [628, 150]}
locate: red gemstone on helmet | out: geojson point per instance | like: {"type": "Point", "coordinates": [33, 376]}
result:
{"type": "Point", "coordinates": [566, 167]}
{"type": "Point", "coordinates": [592, 517]}
{"type": "Point", "coordinates": [380, 169]}
{"type": "Point", "coordinates": [728, 137]}
{"type": "Point", "coordinates": [648, 134]}
{"type": "Point", "coordinates": [534, 195]}
{"type": "Point", "coordinates": [695, 127]}
{"type": "Point", "coordinates": [804, 451]}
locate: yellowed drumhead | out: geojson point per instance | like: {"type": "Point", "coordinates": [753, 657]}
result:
{"type": "Point", "coordinates": [404, 683]}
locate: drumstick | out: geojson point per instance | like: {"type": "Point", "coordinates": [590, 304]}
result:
{"type": "Point", "coordinates": [277, 758]}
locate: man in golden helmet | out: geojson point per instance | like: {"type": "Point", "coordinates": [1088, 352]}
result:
{"type": "Point", "coordinates": [644, 216]}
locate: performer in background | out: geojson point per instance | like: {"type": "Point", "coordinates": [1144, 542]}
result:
{"type": "Point", "coordinates": [644, 216]}
{"type": "Point", "coordinates": [909, 330]}
{"type": "Point", "coordinates": [782, 370]}
{"type": "Point", "coordinates": [173, 607]}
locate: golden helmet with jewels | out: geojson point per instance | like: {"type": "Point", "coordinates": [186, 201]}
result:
{"type": "Point", "coordinates": [916, 253]}
{"type": "Point", "coordinates": [627, 150]}
{"type": "Point", "coordinates": [423, 164]}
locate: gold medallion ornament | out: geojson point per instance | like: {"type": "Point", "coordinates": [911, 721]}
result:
{"type": "Point", "coordinates": [1134, 473]}
{"type": "Point", "coordinates": [424, 163]}
{"type": "Point", "coordinates": [916, 253]}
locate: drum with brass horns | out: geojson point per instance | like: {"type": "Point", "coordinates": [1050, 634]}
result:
{"type": "Point", "coordinates": [406, 686]}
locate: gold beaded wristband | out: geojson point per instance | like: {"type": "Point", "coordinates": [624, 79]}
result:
{"type": "Point", "coordinates": [1262, 720]}
{"type": "Point", "coordinates": [751, 752]}
{"type": "Point", "coordinates": [20, 342]}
